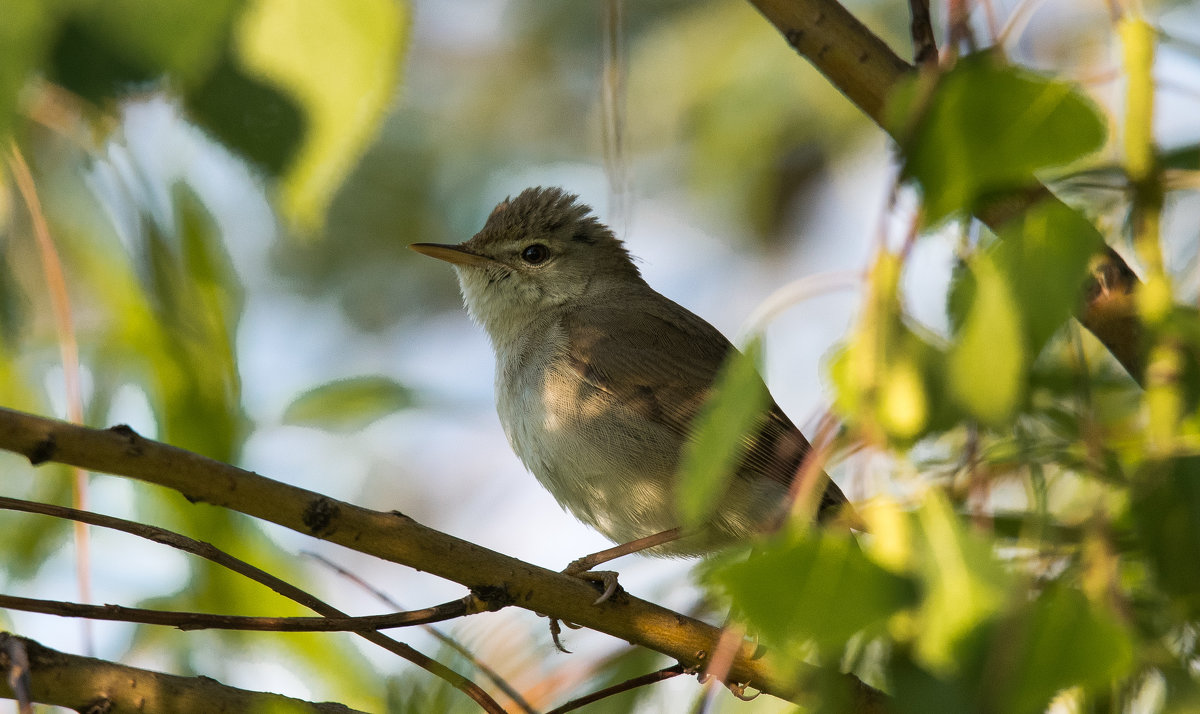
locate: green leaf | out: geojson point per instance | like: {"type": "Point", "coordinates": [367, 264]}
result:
{"type": "Point", "coordinates": [339, 61]}
{"type": "Point", "coordinates": [987, 364]}
{"type": "Point", "coordinates": [262, 124]}
{"type": "Point", "coordinates": [105, 49]}
{"type": "Point", "coordinates": [1062, 641]}
{"type": "Point", "coordinates": [1044, 256]}
{"type": "Point", "coordinates": [720, 436]}
{"type": "Point", "coordinates": [818, 587]}
{"type": "Point", "coordinates": [986, 128]}
{"type": "Point", "coordinates": [347, 405]}
{"type": "Point", "coordinates": [1166, 516]}
{"type": "Point", "coordinates": [964, 584]}
{"type": "Point", "coordinates": [24, 39]}
{"type": "Point", "coordinates": [198, 302]}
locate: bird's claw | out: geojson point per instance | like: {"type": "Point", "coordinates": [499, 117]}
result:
{"type": "Point", "coordinates": [582, 569]}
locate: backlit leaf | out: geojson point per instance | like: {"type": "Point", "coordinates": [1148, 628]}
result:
{"type": "Point", "coordinates": [985, 129]}
{"type": "Point", "coordinates": [817, 587]}
{"type": "Point", "coordinates": [719, 437]}
{"type": "Point", "coordinates": [1061, 641]}
{"type": "Point", "coordinates": [348, 404]}
{"type": "Point", "coordinates": [963, 583]}
{"type": "Point", "coordinates": [1166, 513]}
{"type": "Point", "coordinates": [339, 62]}
{"type": "Point", "coordinates": [988, 362]}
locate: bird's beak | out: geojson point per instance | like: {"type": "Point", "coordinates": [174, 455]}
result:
{"type": "Point", "coordinates": [454, 254]}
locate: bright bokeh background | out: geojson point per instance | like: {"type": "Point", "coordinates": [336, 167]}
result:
{"type": "Point", "coordinates": [743, 172]}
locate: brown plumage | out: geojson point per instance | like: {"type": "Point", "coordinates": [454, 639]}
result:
{"type": "Point", "coordinates": [599, 378]}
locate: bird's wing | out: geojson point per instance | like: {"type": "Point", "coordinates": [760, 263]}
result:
{"type": "Point", "coordinates": [660, 360]}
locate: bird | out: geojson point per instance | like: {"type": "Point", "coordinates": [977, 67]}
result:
{"type": "Point", "coordinates": [600, 378]}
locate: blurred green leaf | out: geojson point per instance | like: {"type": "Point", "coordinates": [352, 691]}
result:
{"type": "Point", "coordinates": [339, 61]}
{"type": "Point", "coordinates": [816, 587]}
{"type": "Point", "coordinates": [197, 301]}
{"type": "Point", "coordinates": [720, 436]}
{"type": "Point", "coordinates": [25, 35]}
{"type": "Point", "coordinates": [985, 128]}
{"type": "Point", "coordinates": [181, 39]}
{"type": "Point", "coordinates": [348, 405]}
{"type": "Point", "coordinates": [1060, 641]}
{"type": "Point", "coordinates": [106, 49]}
{"type": "Point", "coordinates": [964, 586]}
{"type": "Point", "coordinates": [887, 377]}
{"type": "Point", "coordinates": [1044, 256]}
{"type": "Point", "coordinates": [1166, 515]}
{"type": "Point", "coordinates": [1183, 158]}
{"type": "Point", "coordinates": [262, 124]}
{"type": "Point", "coordinates": [988, 362]}
{"type": "Point", "coordinates": [30, 540]}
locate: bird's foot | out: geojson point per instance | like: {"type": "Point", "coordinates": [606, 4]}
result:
{"type": "Point", "coordinates": [582, 569]}
{"type": "Point", "coordinates": [556, 631]}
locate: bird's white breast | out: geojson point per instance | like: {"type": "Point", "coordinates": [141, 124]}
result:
{"type": "Point", "coordinates": [581, 444]}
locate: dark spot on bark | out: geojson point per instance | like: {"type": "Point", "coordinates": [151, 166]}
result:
{"type": "Point", "coordinates": [132, 438]}
{"type": "Point", "coordinates": [794, 37]}
{"type": "Point", "coordinates": [319, 516]}
{"type": "Point", "coordinates": [123, 430]}
{"type": "Point", "coordinates": [43, 451]}
{"type": "Point", "coordinates": [102, 705]}
{"type": "Point", "coordinates": [821, 52]}
{"type": "Point", "coordinates": [494, 596]}
{"type": "Point", "coordinates": [863, 57]}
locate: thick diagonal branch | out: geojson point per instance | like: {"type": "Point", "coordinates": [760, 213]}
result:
{"type": "Point", "coordinates": [866, 70]}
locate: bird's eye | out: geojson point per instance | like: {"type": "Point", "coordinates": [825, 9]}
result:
{"type": "Point", "coordinates": [534, 254]}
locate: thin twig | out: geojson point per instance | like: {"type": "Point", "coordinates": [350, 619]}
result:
{"type": "Point", "coordinates": [284, 588]}
{"type": "Point", "coordinates": [720, 662]}
{"type": "Point", "coordinates": [203, 621]}
{"type": "Point", "coordinates": [68, 348]}
{"type": "Point", "coordinates": [18, 672]}
{"type": "Point", "coordinates": [442, 637]}
{"type": "Point", "coordinates": [925, 50]}
{"type": "Point", "coordinates": [653, 677]}
{"type": "Point", "coordinates": [612, 124]}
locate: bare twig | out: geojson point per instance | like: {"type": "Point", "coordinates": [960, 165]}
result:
{"type": "Point", "coordinates": [442, 637]}
{"type": "Point", "coordinates": [18, 673]}
{"type": "Point", "coordinates": [924, 45]}
{"type": "Point", "coordinates": [284, 588]}
{"type": "Point", "coordinates": [202, 621]}
{"type": "Point", "coordinates": [495, 579]}
{"type": "Point", "coordinates": [653, 677]}
{"type": "Point", "coordinates": [612, 107]}
{"type": "Point", "coordinates": [68, 348]}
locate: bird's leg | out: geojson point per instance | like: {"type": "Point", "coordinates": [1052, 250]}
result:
{"type": "Point", "coordinates": [582, 567]}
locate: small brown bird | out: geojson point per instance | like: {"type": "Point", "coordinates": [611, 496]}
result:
{"type": "Point", "coordinates": [599, 378]}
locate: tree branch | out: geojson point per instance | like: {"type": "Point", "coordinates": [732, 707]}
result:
{"type": "Point", "coordinates": [87, 684]}
{"type": "Point", "coordinates": [201, 620]}
{"type": "Point", "coordinates": [284, 588]}
{"type": "Point", "coordinates": [866, 70]}
{"type": "Point", "coordinates": [496, 579]}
